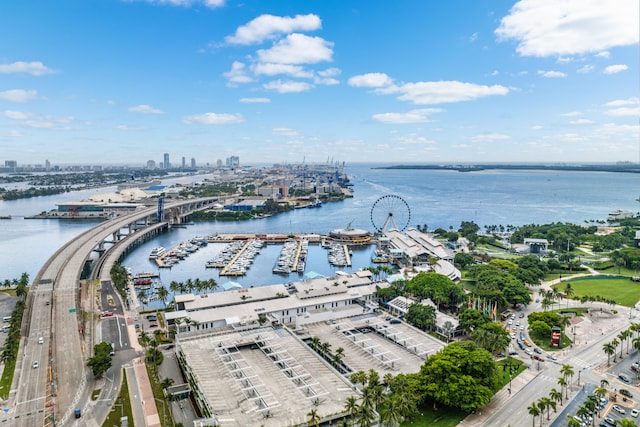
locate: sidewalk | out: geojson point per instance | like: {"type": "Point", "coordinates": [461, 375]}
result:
{"type": "Point", "coordinates": [480, 417]}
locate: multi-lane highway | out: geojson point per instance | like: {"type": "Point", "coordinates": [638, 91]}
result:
{"type": "Point", "coordinates": [47, 392]}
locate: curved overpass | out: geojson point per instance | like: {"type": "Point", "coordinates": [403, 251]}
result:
{"type": "Point", "coordinates": [47, 394]}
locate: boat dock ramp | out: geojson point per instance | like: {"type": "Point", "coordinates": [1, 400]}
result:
{"type": "Point", "coordinates": [267, 238]}
{"type": "Point", "coordinates": [293, 256]}
{"type": "Point", "coordinates": [237, 257]}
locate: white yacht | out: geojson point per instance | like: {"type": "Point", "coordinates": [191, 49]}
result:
{"type": "Point", "coordinates": [157, 252]}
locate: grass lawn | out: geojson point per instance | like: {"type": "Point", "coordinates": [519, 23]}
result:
{"type": "Point", "coordinates": [7, 378]}
{"type": "Point", "coordinates": [443, 417]}
{"type": "Point", "coordinates": [121, 408]}
{"type": "Point", "coordinates": [623, 291]}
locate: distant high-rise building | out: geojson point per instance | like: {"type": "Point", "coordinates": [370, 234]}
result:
{"type": "Point", "coordinates": [219, 163]}
{"type": "Point", "coordinates": [166, 163]}
{"type": "Point", "coordinates": [11, 164]}
{"type": "Point", "coordinates": [233, 161]}
{"type": "Point", "coordinates": [151, 164]}
{"type": "Point", "coordinates": [47, 165]}
{"type": "Point", "coordinates": [184, 162]}
{"type": "Point", "coordinates": [193, 163]}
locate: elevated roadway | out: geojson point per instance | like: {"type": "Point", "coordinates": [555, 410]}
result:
{"type": "Point", "coordinates": [47, 393]}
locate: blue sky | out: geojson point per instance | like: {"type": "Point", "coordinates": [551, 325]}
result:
{"type": "Point", "coordinates": [109, 81]}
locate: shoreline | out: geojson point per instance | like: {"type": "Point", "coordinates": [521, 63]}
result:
{"type": "Point", "coordinates": [622, 168]}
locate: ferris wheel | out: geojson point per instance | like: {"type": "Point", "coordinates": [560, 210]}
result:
{"type": "Point", "coordinates": [390, 211]}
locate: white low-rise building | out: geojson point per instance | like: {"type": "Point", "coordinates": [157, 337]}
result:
{"type": "Point", "coordinates": [298, 304]}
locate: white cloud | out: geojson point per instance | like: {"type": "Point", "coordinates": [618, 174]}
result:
{"type": "Point", "coordinates": [37, 121]}
{"type": "Point", "coordinates": [585, 69]}
{"type": "Point", "coordinates": [288, 86]}
{"type": "Point", "coordinates": [255, 100]}
{"type": "Point", "coordinates": [15, 115]}
{"type": "Point", "coordinates": [325, 81]}
{"type": "Point", "coordinates": [473, 37]}
{"type": "Point", "coordinates": [488, 137]}
{"type": "Point", "coordinates": [329, 72]}
{"type": "Point", "coordinates": [620, 102]}
{"type": "Point", "coordinates": [268, 26]}
{"type": "Point", "coordinates": [285, 132]}
{"type": "Point", "coordinates": [33, 68]}
{"type": "Point", "coordinates": [613, 69]}
{"type": "Point", "coordinates": [127, 128]}
{"type": "Point", "coordinates": [145, 109]}
{"type": "Point", "coordinates": [270, 69]}
{"type": "Point", "coordinates": [298, 49]}
{"type": "Point", "coordinates": [571, 114]}
{"type": "Point", "coordinates": [604, 54]}
{"type": "Point", "coordinates": [213, 119]}
{"type": "Point", "coordinates": [12, 133]}
{"type": "Point", "coordinates": [564, 60]}
{"type": "Point", "coordinates": [237, 74]}
{"type": "Point", "coordinates": [580, 122]}
{"type": "Point", "coordinates": [551, 74]}
{"type": "Point", "coordinates": [551, 28]}
{"type": "Point", "coordinates": [441, 92]}
{"type": "Point", "coordinates": [625, 111]}
{"type": "Point", "coordinates": [413, 116]}
{"type": "Point", "coordinates": [537, 127]}
{"type": "Point", "coordinates": [211, 4]}
{"type": "Point", "coordinates": [413, 139]}
{"type": "Point", "coordinates": [18, 95]}
{"type": "Point", "coordinates": [371, 80]}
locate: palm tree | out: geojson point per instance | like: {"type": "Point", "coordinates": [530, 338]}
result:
{"type": "Point", "coordinates": [315, 343]}
{"type": "Point", "coordinates": [556, 396]}
{"type": "Point", "coordinates": [563, 384]}
{"type": "Point", "coordinates": [572, 421]}
{"type": "Point", "coordinates": [166, 383]}
{"type": "Point", "coordinates": [567, 371]}
{"type": "Point", "coordinates": [545, 403]}
{"type": "Point", "coordinates": [389, 412]}
{"type": "Point", "coordinates": [604, 383]}
{"type": "Point", "coordinates": [365, 416]}
{"type": "Point", "coordinates": [615, 343]}
{"type": "Point", "coordinates": [351, 407]}
{"type": "Point", "coordinates": [609, 350]}
{"type": "Point", "coordinates": [534, 411]}
{"type": "Point", "coordinates": [142, 297]}
{"type": "Point", "coordinates": [314, 420]}
{"type": "Point", "coordinates": [622, 336]}
{"type": "Point", "coordinates": [636, 343]}
{"type": "Point", "coordinates": [337, 357]}
{"type": "Point", "coordinates": [542, 405]}
{"type": "Point", "coordinates": [568, 291]}
{"type": "Point", "coordinates": [163, 294]}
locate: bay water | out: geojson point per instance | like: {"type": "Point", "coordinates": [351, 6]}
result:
{"type": "Point", "coordinates": [435, 198]}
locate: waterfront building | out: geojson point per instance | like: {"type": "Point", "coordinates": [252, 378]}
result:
{"type": "Point", "coordinates": [619, 214]}
{"type": "Point", "coordinates": [299, 303]}
{"type": "Point", "coordinates": [350, 235]}
{"type": "Point", "coordinates": [193, 163]}
{"type": "Point", "coordinates": [165, 163]}
{"type": "Point", "coordinates": [417, 246]}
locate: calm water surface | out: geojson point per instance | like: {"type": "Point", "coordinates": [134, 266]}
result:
{"type": "Point", "coordinates": [436, 198]}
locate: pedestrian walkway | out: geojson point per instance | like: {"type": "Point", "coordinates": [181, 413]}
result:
{"type": "Point", "coordinates": [480, 417]}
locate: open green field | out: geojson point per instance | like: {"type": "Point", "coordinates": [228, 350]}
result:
{"type": "Point", "coordinates": [621, 290]}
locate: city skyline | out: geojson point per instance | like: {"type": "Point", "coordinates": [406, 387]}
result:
{"type": "Point", "coordinates": [121, 81]}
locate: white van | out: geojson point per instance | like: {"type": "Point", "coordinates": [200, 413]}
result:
{"type": "Point", "coordinates": [6, 319]}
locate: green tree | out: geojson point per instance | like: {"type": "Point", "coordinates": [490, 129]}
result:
{"type": "Point", "coordinates": [470, 319]}
{"type": "Point", "coordinates": [461, 375]}
{"type": "Point", "coordinates": [422, 316]}
{"type": "Point", "coordinates": [492, 337]}
{"type": "Point", "coordinates": [101, 361]}
{"type": "Point", "coordinates": [534, 411]}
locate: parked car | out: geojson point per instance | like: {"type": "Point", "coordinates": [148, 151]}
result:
{"type": "Point", "coordinates": [624, 379]}
{"type": "Point", "coordinates": [107, 314]}
{"type": "Point", "coordinates": [619, 409]}
{"type": "Point", "coordinates": [536, 357]}
{"type": "Point", "coordinates": [610, 421]}
{"type": "Point", "coordinates": [625, 392]}
{"type": "Point", "coordinates": [521, 315]}
{"type": "Point", "coordinates": [551, 357]}
{"type": "Point", "coordinates": [537, 350]}
{"type": "Point", "coordinates": [634, 413]}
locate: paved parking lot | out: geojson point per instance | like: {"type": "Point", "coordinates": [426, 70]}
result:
{"type": "Point", "coordinates": [371, 342]}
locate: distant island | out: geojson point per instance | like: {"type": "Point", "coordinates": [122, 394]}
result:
{"type": "Point", "coordinates": [618, 167]}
